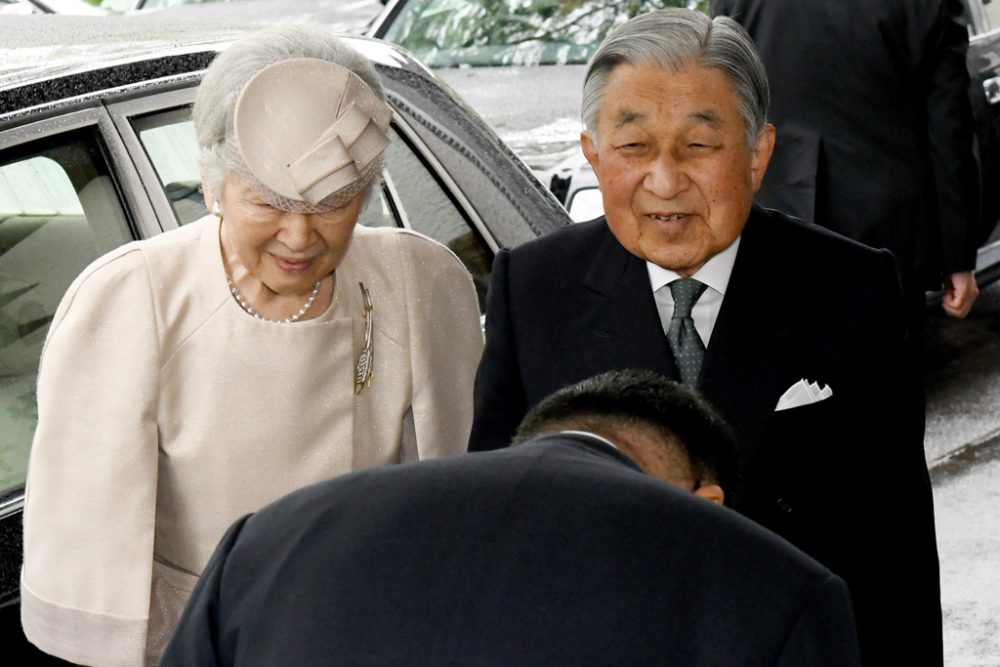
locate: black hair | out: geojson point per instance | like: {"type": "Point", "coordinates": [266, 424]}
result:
{"type": "Point", "coordinates": [621, 397]}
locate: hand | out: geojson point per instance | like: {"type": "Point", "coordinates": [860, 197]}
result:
{"type": "Point", "coordinates": [960, 292]}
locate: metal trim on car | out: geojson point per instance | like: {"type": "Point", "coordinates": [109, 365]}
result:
{"type": "Point", "coordinates": [39, 129]}
{"type": "Point", "coordinates": [12, 503]}
{"type": "Point", "coordinates": [439, 172]}
{"type": "Point", "coordinates": [394, 200]}
{"type": "Point", "coordinates": [380, 24]}
{"type": "Point", "coordinates": [985, 36]}
{"type": "Point", "coordinates": [122, 113]}
{"type": "Point", "coordinates": [50, 107]}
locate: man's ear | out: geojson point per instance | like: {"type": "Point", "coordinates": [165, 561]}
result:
{"type": "Point", "coordinates": [590, 150]}
{"type": "Point", "coordinates": [762, 151]}
{"type": "Point", "coordinates": [712, 492]}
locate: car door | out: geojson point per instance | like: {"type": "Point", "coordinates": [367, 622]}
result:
{"type": "Point", "coordinates": [984, 69]}
{"type": "Point", "coordinates": [60, 208]}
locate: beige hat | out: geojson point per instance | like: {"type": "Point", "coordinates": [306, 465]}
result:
{"type": "Point", "coordinates": [308, 129]}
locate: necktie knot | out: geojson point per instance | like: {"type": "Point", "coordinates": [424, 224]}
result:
{"type": "Point", "coordinates": [686, 292]}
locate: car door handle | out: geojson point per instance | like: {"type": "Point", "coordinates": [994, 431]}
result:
{"type": "Point", "coordinates": [992, 89]}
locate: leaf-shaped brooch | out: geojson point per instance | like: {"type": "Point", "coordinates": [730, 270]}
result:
{"type": "Point", "coordinates": [366, 360]}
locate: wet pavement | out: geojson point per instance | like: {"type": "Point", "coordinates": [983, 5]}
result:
{"type": "Point", "coordinates": [967, 505]}
{"type": "Point", "coordinates": [963, 377]}
{"type": "Point", "coordinates": [963, 450]}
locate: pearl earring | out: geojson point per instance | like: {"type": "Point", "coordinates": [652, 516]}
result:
{"type": "Point", "coordinates": [216, 209]}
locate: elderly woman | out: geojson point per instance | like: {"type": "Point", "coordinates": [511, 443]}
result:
{"type": "Point", "coordinates": [191, 378]}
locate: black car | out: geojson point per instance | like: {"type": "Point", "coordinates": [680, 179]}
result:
{"type": "Point", "coordinates": [97, 148]}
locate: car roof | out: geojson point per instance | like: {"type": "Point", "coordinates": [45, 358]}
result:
{"type": "Point", "coordinates": [49, 58]}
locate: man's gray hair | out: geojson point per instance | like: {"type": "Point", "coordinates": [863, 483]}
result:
{"type": "Point", "coordinates": [676, 37]}
{"type": "Point", "coordinates": [220, 88]}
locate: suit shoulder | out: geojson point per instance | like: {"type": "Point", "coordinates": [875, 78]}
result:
{"type": "Point", "coordinates": [562, 245]}
{"type": "Point", "coordinates": [813, 246]}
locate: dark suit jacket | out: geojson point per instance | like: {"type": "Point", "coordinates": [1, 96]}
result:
{"type": "Point", "coordinates": [555, 552]}
{"type": "Point", "coordinates": [874, 125]}
{"type": "Point", "coordinates": [844, 479]}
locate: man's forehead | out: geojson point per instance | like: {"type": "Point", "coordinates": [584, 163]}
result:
{"type": "Point", "coordinates": [625, 117]}
{"type": "Point", "coordinates": [637, 92]}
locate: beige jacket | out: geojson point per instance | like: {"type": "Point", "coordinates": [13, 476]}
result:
{"type": "Point", "coordinates": [166, 412]}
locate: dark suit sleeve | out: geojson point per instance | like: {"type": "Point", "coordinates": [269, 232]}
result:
{"type": "Point", "coordinates": [195, 642]}
{"type": "Point", "coordinates": [719, 8]}
{"type": "Point", "coordinates": [905, 584]}
{"type": "Point", "coordinates": [951, 131]}
{"type": "Point", "coordinates": [500, 403]}
{"type": "Point", "coordinates": [823, 633]}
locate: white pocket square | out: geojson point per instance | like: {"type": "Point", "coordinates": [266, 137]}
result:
{"type": "Point", "coordinates": [803, 393]}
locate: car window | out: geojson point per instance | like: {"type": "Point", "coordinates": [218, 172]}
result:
{"type": "Point", "coordinates": [169, 140]}
{"type": "Point", "coordinates": [58, 212]}
{"type": "Point", "coordinates": [429, 210]}
{"type": "Point", "coordinates": [992, 13]}
{"type": "Point", "coordinates": [585, 204]}
{"type": "Point", "coordinates": [410, 195]}
{"type": "Point", "coordinates": [378, 211]}
{"type": "Point", "coordinates": [448, 33]}
{"type": "Point", "coordinates": [982, 16]}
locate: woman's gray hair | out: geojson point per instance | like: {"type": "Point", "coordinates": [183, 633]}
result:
{"type": "Point", "coordinates": [675, 37]}
{"type": "Point", "coordinates": [215, 103]}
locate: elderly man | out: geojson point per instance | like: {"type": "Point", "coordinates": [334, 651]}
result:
{"type": "Point", "coordinates": [795, 334]}
{"type": "Point", "coordinates": [558, 551]}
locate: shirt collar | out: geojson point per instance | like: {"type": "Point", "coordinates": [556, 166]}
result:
{"type": "Point", "coordinates": [715, 272]}
{"type": "Point", "coordinates": [615, 449]}
{"type": "Point", "coordinates": [590, 435]}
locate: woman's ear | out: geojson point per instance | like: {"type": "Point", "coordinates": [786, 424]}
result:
{"type": "Point", "coordinates": [206, 192]}
{"type": "Point", "coordinates": [712, 492]}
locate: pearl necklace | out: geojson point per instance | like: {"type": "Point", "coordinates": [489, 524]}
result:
{"type": "Point", "coordinates": [250, 310]}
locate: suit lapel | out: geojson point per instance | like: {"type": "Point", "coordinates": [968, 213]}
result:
{"type": "Point", "coordinates": [619, 323]}
{"type": "Point", "coordinates": [743, 372]}
{"type": "Point", "coordinates": [746, 363]}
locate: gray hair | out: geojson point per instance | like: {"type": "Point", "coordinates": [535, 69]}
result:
{"type": "Point", "coordinates": [675, 37]}
{"type": "Point", "coordinates": [215, 103]}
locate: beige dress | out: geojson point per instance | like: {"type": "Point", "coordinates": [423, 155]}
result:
{"type": "Point", "coordinates": [166, 412]}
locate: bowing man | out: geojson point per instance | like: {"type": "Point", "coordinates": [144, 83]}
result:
{"type": "Point", "coordinates": [563, 550]}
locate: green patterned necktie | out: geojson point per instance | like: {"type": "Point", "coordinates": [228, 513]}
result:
{"type": "Point", "coordinates": [685, 342]}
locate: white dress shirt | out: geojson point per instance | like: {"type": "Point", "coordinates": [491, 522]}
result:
{"type": "Point", "coordinates": [715, 274]}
